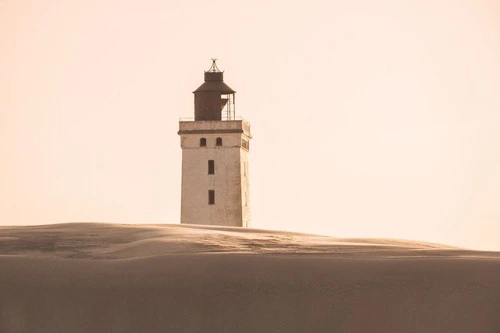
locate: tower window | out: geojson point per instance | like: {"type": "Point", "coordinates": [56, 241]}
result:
{"type": "Point", "coordinates": [211, 197]}
{"type": "Point", "coordinates": [211, 167]}
{"type": "Point", "coordinates": [245, 144]}
{"type": "Point", "coordinates": [218, 142]}
{"type": "Point", "coordinates": [203, 142]}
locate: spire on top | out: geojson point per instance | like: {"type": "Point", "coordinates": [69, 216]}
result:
{"type": "Point", "coordinates": [214, 68]}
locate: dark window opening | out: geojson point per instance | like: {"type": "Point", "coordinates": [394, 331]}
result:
{"type": "Point", "coordinates": [245, 144]}
{"type": "Point", "coordinates": [203, 142]}
{"type": "Point", "coordinates": [211, 197]}
{"type": "Point", "coordinates": [218, 142]}
{"type": "Point", "coordinates": [211, 167]}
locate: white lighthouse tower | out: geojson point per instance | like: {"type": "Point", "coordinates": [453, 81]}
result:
{"type": "Point", "coordinates": [215, 158]}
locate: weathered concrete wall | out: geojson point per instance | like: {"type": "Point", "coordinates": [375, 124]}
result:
{"type": "Point", "coordinates": [230, 180]}
{"type": "Point", "coordinates": [239, 125]}
{"type": "Point", "coordinates": [245, 188]}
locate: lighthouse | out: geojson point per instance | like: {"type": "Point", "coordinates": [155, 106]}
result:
{"type": "Point", "coordinates": [215, 146]}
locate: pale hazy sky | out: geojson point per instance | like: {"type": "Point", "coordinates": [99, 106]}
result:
{"type": "Point", "coordinates": [370, 118]}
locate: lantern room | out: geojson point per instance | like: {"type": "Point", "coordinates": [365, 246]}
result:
{"type": "Point", "coordinates": [214, 100]}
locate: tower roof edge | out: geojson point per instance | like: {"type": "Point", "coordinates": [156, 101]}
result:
{"type": "Point", "coordinates": [215, 86]}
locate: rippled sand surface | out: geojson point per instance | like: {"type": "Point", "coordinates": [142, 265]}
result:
{"type": "Point", "coordinates": [91, 277]}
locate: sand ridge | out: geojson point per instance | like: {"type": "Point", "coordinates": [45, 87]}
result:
{"type": "Point", "coordinates": [117, 241]}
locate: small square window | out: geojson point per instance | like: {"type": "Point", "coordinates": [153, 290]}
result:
{"type": "Point", "coordinates": [245, 144]}
{"type": "Point", "coordinates": [203, 142]}
{"type": "Point", "coordinates": [218, 142]}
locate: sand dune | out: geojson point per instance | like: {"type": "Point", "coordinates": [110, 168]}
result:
{"type": "Point", "coordinates": [90, 277]}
